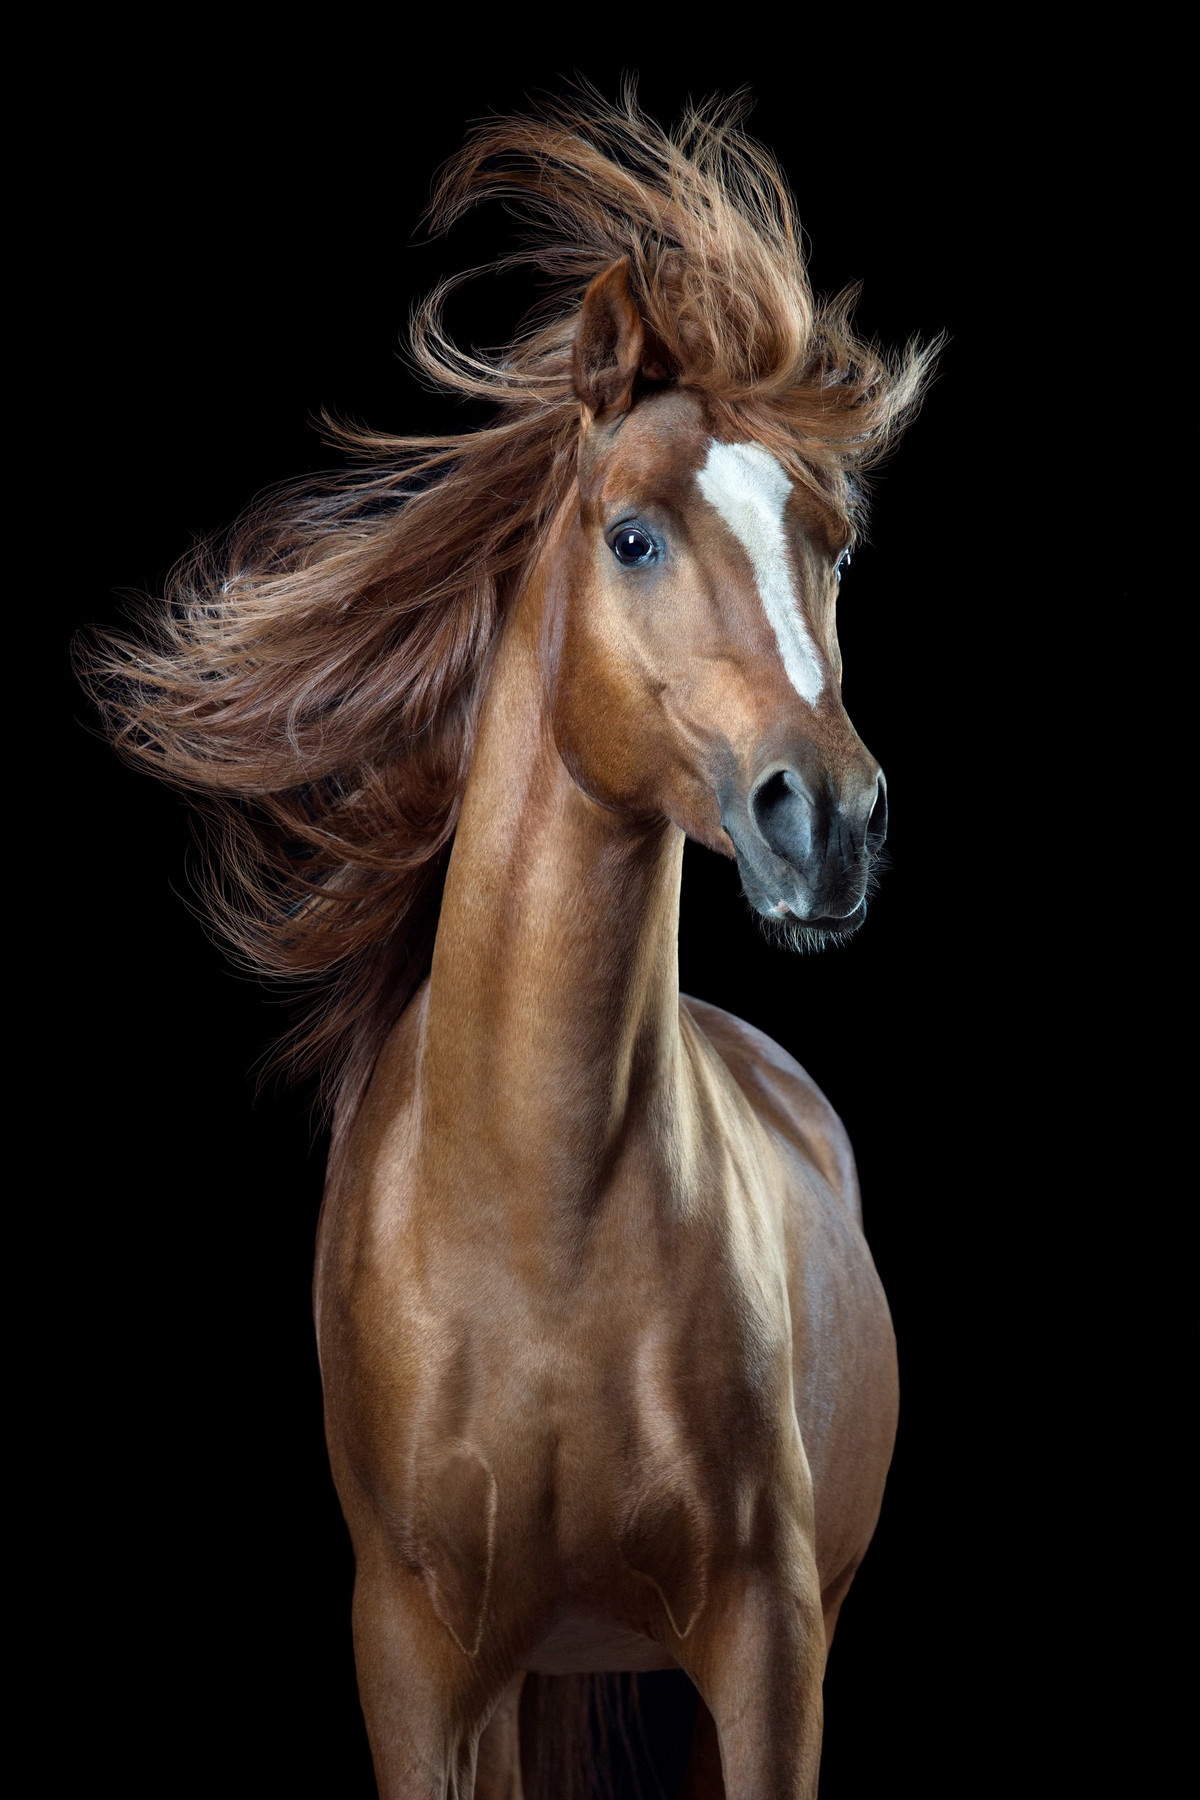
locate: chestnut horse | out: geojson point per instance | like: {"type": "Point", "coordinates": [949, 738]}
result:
{"type": "Point", "coordinates": [610, 1377]}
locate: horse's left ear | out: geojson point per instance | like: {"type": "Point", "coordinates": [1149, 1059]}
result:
{"type": "Point", "coordinates": [612, 345]}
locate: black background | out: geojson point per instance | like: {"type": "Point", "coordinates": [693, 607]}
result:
{"type": "Point", "coordinates": [232, 244]}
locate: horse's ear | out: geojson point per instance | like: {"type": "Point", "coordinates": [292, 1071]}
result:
{"type": "Point", "coordinates": [612, 346]}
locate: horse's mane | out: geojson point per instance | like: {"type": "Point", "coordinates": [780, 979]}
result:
{"type": "Point", "coordinates": [315, 678]}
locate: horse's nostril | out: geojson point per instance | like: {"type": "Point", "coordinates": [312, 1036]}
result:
{"type": "Point", "coordinates": [877, 824]}
{"type": "Point", "coordinates": [782, 810]}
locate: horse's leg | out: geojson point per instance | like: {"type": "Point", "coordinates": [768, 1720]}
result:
{"type": "Point", "coordinates": [424, 1698]}
{"type": "Point", "coordinates": [498, 1773]}
{"type": "Point", "coordinates": [759, 1660]}
{"type": "Point", "coordinates": [831, 1599]}
{"type": "Point", "coordinates": [703, 1780]}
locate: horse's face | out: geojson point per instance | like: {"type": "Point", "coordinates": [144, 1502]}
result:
{"type": "Point", "coordinates": [692, 649]}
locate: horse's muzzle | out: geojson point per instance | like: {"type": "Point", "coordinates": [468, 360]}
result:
{"type": "Point", "coordinates": [805, 849]}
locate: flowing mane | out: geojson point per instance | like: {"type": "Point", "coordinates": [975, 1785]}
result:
{"type": "Point", "coordinates": [314, 680]}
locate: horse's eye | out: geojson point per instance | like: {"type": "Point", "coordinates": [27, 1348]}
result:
{"type": "Point", "coordinates": [842, 564]}
{"type": "Point", "coordinates": [632, 546]}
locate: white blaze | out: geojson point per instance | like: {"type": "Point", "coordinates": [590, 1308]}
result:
{"type": "Point", "coordinates": [750, 490]}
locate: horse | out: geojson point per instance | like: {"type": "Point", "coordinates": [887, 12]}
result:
{"type": "Point", "coordinates": [610, 1377]}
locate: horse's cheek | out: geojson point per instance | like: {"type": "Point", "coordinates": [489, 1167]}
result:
{"type": "Point", "coordinates": [600, 725]}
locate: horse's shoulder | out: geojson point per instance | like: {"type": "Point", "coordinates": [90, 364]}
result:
{"type": "Point", "coordinates": [782, 1093]}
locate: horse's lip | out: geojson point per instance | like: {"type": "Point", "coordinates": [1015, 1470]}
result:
{"type": "Point", "coordinates": [828, 927]}
{"type": "Point", "coordinates": [767, 888]}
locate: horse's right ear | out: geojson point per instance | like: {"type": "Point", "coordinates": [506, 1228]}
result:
{"type": "Point", "coordinates": [611, 344]}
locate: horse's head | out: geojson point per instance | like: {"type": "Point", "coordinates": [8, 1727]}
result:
{"type": "Point", "coordinates": [693, 654]}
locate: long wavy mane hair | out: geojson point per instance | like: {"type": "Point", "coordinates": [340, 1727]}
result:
{"type": "Point", "coordinates": [314, 679]}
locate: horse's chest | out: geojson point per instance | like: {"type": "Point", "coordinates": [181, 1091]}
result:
{"type": "Point", "coordinates": [584, 1440]}
{"type": "Point", "coordinates": [611, 1460]}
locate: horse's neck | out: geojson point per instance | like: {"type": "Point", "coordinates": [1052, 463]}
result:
{"type": "Point", "coordinates": [552, 1022]}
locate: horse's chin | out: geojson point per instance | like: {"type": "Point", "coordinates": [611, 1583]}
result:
{"type": "Point", "coordinates": [807, 935]}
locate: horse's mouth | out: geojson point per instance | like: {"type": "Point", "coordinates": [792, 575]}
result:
{"type": "Point", "coordinates": [817, 931]}
{"type": "Point", "coordinates": [843, 926]}
{"type": "Point", "coordinates": [823, 903]}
